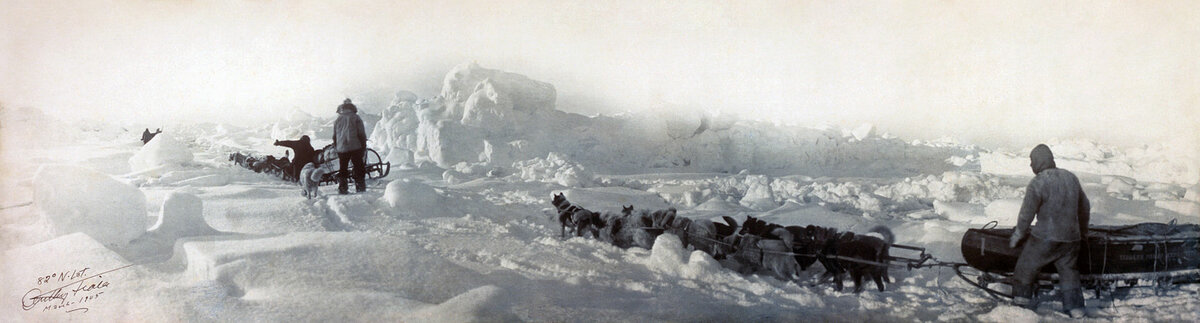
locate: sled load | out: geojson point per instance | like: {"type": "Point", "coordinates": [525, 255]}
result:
{"type": "Point", "coordinates": [376, 168]}
{"type": "Point", "coordinates": [1164, 253]}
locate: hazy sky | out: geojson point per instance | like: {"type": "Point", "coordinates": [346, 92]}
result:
{"type": "Point", "coordinates": [1013, 72]}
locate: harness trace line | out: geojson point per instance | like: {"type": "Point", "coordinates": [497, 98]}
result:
{"type": "Point", "coordinates": [924, 260]}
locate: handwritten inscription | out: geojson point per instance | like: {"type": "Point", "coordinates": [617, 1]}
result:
{"type": "Point", "coordinates": [63, 276]}
{"type": "Point", "coordinates": [70, 297]}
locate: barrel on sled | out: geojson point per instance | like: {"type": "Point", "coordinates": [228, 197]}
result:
{"type": "Point", "coordinates": [1110, 251]}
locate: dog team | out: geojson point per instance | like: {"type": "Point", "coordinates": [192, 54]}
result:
{"type": "Point", "coordinates": [753, 246]}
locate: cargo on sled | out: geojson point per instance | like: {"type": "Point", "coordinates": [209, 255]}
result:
{"type": "Point", "coordinates": [1163, 253]}
{"type": "Point", "coordinates": [376, 168]}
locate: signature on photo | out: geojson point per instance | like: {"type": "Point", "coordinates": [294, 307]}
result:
{"type": "Point", "coordinates": [79, 290]}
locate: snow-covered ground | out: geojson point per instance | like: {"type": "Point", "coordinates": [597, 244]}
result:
{"type": "Point", "coordinates": [461, 230]}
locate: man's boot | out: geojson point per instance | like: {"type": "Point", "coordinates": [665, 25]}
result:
{"type": "Point", "coordinates": [360, 187]}
{"type": "Point", "coordinates": [342, 186]}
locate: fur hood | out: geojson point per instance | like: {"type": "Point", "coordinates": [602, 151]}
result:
{"type": "Point", "coordinates": [347, 107]}
{"type": "Point", "coordinates": [1041, 159]}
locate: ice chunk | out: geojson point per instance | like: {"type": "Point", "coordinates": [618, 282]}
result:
{"type": "Point", "coordinates": [957, 161]}
{"type": "Point", "coordinates": [396, 129]}
{"type": "Point", "coordinates": [182, 216]}
{"type": "Point", "coordinates": [573, 177]}
{"type": "Point", "coordinates": [686, 195]}
{"type": "Point", "coordinates": [447, 142]}
{"type": "Point", "coordinates": [719, 205]}
{"type": "Point", "coordinates": [477, 104]}
{"type": "Point", "coordinates": [1157, 163]}
{"type": "Point", "coordinates": [961, 212]}
{"type": "Point", "coordinates": [526, 95]}
{"type": "Point", "coordinates": [405, 96]}
{"type": "Point", "coordinates": [1003, 211]}
{"type": "Point", "coordinates": [864, 131]}
{"type": "Point", "coordinates": [1193, 194]}
{"type": "Point", "coordinates": [1001, 163]}
{"type": "Point", "coordinates": [490, 110]}
{"type": "Point", "coordinates": [1186, 208]}
{"type": "Point", "coordinates": [758, 193]}
{"type": "Point", "coordinates": [669, 256]}
{"type": "Point", "coordinates": [505, 153]}
{"type": "Point", "coordinates": [1164, 191]}
{"type": "Point", "coordinates": [410, 196]}
{"type": "Point", "coordinates": [555, 168]}
{"type": "Point", "coordinates": [76, 199]}
{"type": "Point", "coordinates": [163, 150]}
{"type": "Point", "coordinates": [1121, 187]}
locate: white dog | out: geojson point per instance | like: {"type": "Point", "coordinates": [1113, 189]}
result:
{"type": "Point", "coordinates": [310, 179]}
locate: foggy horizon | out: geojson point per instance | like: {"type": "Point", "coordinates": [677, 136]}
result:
{"type": "Point", "coordinates": [992, 74]}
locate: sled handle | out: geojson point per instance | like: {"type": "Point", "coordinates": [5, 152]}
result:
{"type": "Point", "coordinates": [991, 225]}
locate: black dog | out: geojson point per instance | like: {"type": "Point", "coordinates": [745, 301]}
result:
{"type": "Point", "coordinates": [791, 236]}
{"type": "Point", "coordinates": [576, 218]}
{"type": "Point", "coordinates": [872, 251]}
{"type": "Point", "coordinates": [722, 244]}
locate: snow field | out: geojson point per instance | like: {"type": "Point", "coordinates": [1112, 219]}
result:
{"type": "Point", "coordinates": [464, 232]}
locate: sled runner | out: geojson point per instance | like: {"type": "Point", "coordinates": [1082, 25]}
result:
{"type": "Point", "coordinates": [1162, 253]}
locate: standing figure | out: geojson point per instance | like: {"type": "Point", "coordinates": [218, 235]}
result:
{"type": "Point", "coordinates": [304, 154]}
{"type": "Point", "coordinates": [350, 143]}
{"type": "Point", "coordinates": [1062, 209]}
{"type": "Point", "coordinates": [147, 135]}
